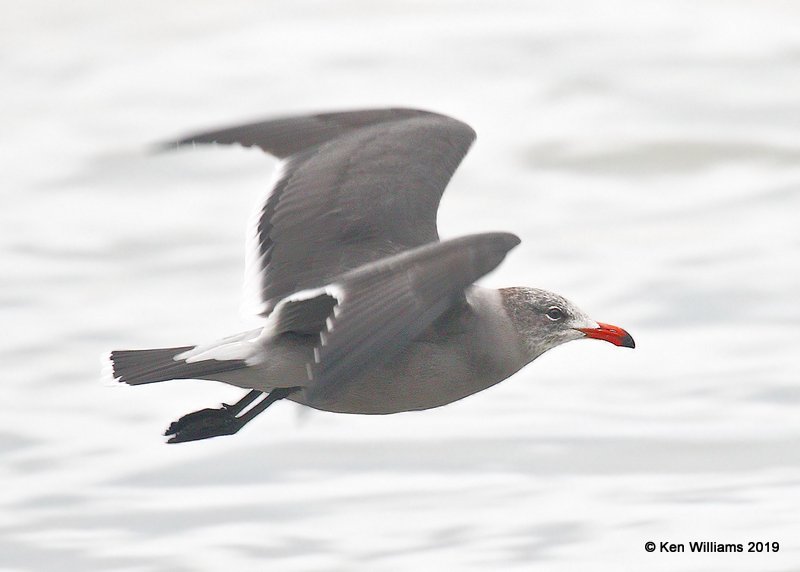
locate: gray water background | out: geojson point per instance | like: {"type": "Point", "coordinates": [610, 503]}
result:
{"type": "Point", "coordinates": [648, 153]}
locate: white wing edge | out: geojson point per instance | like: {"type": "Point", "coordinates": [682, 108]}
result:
{"type": "Point", "coordinates": [252, 303]}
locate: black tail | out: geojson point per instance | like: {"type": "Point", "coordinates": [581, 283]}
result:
{"type": "Point", "coordinates": [137, 367]}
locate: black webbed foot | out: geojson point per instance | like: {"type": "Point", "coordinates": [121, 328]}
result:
{"type": "Point", "coordinates": [204, 424]}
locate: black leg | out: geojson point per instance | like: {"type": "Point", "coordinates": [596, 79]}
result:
{"type": "Point", "coordinates": [225, 420]}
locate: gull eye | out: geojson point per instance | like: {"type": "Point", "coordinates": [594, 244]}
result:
{"type": "Point", "coordinates": [555, 314]}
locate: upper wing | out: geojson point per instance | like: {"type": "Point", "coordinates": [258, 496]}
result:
{"type": "Point", "coordinates": [353, 187]}
{"type": "Point", "coordinates": [371, 313]}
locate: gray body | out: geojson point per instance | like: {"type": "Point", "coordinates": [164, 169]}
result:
{"type": "Point", "coordinates": [467, 351]}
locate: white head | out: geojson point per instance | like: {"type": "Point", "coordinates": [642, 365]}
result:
{"type": "Point", "coordinates": [546, 320]}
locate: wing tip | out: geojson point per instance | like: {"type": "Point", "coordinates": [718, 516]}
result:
{"type": "Point", "coordinates": [161, 147]}
{"type": "Point", "coordinates": [500, 241]}
{"type": "Point", "coordinates": [509, 240]}
{"type": "Point", "coordinates": [499, 245]}
{"type": "Point", "coordinates": [174, 145]}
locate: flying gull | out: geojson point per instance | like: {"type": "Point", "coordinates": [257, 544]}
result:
{"type": "Point", "coordinates": [364, 309]}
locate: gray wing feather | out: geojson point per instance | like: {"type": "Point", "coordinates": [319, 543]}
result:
{"type": "Point", "coordinates": [286, 136]}
{"type": "Point", "coordinates": [384, 305]}
{"type": "Point", "coordinates": [355, 187]}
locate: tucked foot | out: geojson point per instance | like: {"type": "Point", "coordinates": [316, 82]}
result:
{"type": "Point", "coordinates": [204, 424]}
